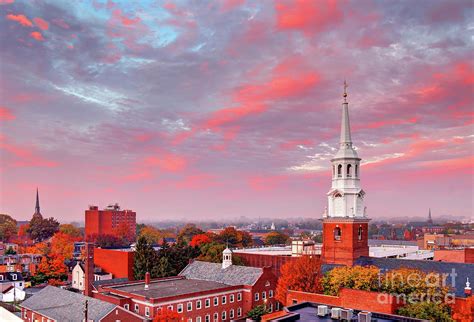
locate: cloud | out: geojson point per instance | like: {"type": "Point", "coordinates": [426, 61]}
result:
{"type": "Point", "coordinates": [37, 36]}
{"type": "Point", "coordinates": [6, 114]}
{"type": "Point", "coordinates": [21, 19]}
{"type": "Point", "coordinates": [41, 23]}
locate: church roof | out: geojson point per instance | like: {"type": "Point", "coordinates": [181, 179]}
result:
{"type": "Point", "coordinates": [232, 275]}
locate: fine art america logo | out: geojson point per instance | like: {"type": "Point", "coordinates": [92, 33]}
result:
{"type": "Point", "coordinates": [414, 286]}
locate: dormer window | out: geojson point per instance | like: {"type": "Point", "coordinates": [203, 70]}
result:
{"type": "Point", "coordinates": [337, 233]}
{"type": "Point", "coordinates": [14, 277]}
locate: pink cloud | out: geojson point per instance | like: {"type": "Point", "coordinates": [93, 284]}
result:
{"type": "Point", "coordinates": [266, 183]}
{"type": "Point", "coordinates": [229, 5]}
{"type": "Point", "coordinates": [6, 2]}
{"type": "Point", "coordinates": [37, 36]}
{"type": "Point", "coordinates": [41, 23]}
{"type": "Point", "coordinates": [61, 23]}
{"type": "Point", "coordinates": [21, 19]}
{"type": "Point", "coordinates": [311, 17]}
{"type": "Point", "coordinates": [21, 156]}
{"type": "Point", "coordinates": [167, 162]}
{"type": "Point", "coordinates": [6, 114]}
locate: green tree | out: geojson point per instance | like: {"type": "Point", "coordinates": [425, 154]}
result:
{"type": "Point", "coordinates": [144, 259]}
{"type": "Point", "coordinates": [70, 230]}
{"type": "Point", "coordinates": [426, 311]}
{"type": "Point", "coordinates": [356, 277]}
{"type": "Point", "coordinates": [7, 227]}
{"type": "Point", "coordinates": [276, 238]}
{"type": "Point", "coordinates": [257, 312]}
{"type": "Point", "coordinates": [42, 228]}
{"type": "Point", "coordinates": [10, 251]}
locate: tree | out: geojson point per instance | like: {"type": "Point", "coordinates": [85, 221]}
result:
{"type": "Point", "coordinates": [212, 252]}
{"type": "Point", "coordinates": [356, 277]}
{"type": "Point", "coordinates": [200, 239]}
{"type": "Point", "coordinates": [276, 238]}
{"type": "Point", "coordinates": [10, 251]}
{"type": "Point", "coordinates": [7, 227]}
{"type": "Point", "coordinates": [144, 259]}
{"type": "Point", "coordinates": [257, 312]}
{"type": "Point", "coordinates": [188, 232]}
{"type": "Point", "coordinates": [62, 245]}
{"type": "Point", "coordinates": [122, 231]}
{"type": "Point", "coordinates": [153, 235]}
{"type": "Point", "coordinates": [426, 311]}
{"type": "Point", "coordinates": [234, 237]}
{"type": "Point", "coordinates": [165, 315]}
{"type": "Point", "coordinates": [70, 230]}
{"type": "Point", "coordinates": [107, 241]}
{"type": "Point", "coordinates": [302, 274]}
{"type": "Point", "coordinates": [42, 228]}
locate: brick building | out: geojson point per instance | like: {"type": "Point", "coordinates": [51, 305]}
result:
{"type": "Point", "coordinates": [55, 304]}
{"type": "Point", "coordinates": [106, 221]}
{"type": "Point", "coordinates": [202, 292]}
{"type": "Point", "coordinates": [118, 262]}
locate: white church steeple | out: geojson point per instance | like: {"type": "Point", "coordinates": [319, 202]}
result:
{"type": "Point", "coordinates": [345, 199]}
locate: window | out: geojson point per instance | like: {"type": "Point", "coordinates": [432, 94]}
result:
{"type": "Point", "coordinates": [198, 319]}
{"type": "Point", "coordinates": [126, 306]}
{"type": "Point", "coordinates": [264, 295]}
{"type": "Point", "coordinates": [136, 308]}
{"type": "Point", "coordinates": [270, 308]}
{"type": "Point", "coordinates": [207, 318]}
{"type": "Point", "coordinates": [198, 305]}
{"type": "Point", "coordinates": [170, 307]}
{"type": "Point", "coordinates": [147, 311]}
{"type": "Point", "coordinates": [216, 317]}
{"type": "Point", "coordinates": [208, 302]}
{"type": "Point", "coordinates": [239, 297]}
{"type": "Point", "coordinates": [180, 308]}
{"type": "Point", "coordinates": [239, 312]}
{"type": "Point", "coordinates": [21, 284]}
{"type": "Point", "coordinates": [278, 306]}
{"type": "Point", "coordinates": [190, 320]}
{"type": "Point", "coordinates": [189, 306]}
{"type": "Point", "coordinates": [216, 301]}
{"type": "Point", "coordinates": [224, 315]}
{"type": "Point", "coordinates": [359, 233]}
{"type": "Point", "coordinates": [356, 170]}
{"type": "Point", "coordinates": [295, 302]}
{"type": "Point", "coordinates": [337, 233]}
{"type": "Point", "coordinates": [24, 313]}
{"type": "Point", "coordinates": [224, 299]}
{"type": "Point", "coordinates": [256, 297]}
{"type": "Point", "coordinates": [231, 298]}
{"type": "Point", "coordinates": [14, 277]}
{"type": "Point", "coordinates": [231, 314]}
{"type": "Point", "coordinates": [349, 173]}
{"type": "Point", "coordinates": [339, 171]}
{"type": "Point", "coordinates": [270, 293]}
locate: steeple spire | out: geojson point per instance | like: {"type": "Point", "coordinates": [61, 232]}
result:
{"type": "Point", "coordinates": [37, 208]}
{"type": "Point", "coordinates": [430, 220]}
{"type": "Point", "coordinates": [346, 140]}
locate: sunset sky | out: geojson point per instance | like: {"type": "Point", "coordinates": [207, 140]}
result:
{"type": "Point", "coordinates": [195, 109]}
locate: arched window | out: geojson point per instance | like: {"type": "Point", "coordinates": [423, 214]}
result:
{"type": "Point", "coordinates": [337, 195]}
{"type": "Point", "coordinates": [356, 171]}
{"type": "Point", "coordinates": [359, 233]}
{"type": "Point", "coordinates": [337, 233]}
{"type": "Point", "coordinates": [339, 170]}
{"type": "Point", "coordinates": [349, 167]}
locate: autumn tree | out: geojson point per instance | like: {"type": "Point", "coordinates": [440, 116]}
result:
{"type": "Point", "coordinates": [188, 232]}
{"type": "Point", "coordinates": [122, 231]}
{"type": "Point", "coordinates": [302, 274]}
{"type": "Point", "coordinates": [8, 227]}
{"type": "Point", "coordinates": [355, 277]}
{"type": "Point", "coordinates": [70, 230]}
{"type": "Point", "coordinates": [426, 311]}
{"type": "Point", "coordinates": [235, 238]}
{"type": "Point", "coordinates": [199, 240]}
{"type": "Point", "coordinates": [154, 235]}
{"type": "Point", "coordinates": [276, 238]}
{"type": "Point", "coordinates": [107, 241]}
{"type": "Point", "coordinates": [165, 315]}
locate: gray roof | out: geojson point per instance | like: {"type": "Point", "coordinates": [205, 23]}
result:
{"type": "Point", "coordinates": [461, 270]}
{"type": "Point", "coordinates": [159, 289]}
{"type": "Point", "coordinates": [61, 305]}
{"type": "Point", "coordinates": [111, 281]}
{"type": "Point", "coordinates": [232, 275]}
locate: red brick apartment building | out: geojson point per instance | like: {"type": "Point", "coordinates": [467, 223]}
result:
{"type": "Point", "coordinates": [106, 221]}
{"type": "Point", "coordinates": [202, 292]}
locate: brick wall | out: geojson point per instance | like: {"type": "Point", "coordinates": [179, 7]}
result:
{"type": "Point", "coordinates": [117, 262]}
{"type": "Point", "coordinates": [260, 260]}
{"type": "Point", "coordinates": [348, 298]}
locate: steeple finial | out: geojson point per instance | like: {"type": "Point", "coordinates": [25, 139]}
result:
{"type": "Point", "coordinates": [345, 91]}
{"type": "Point", "coordinates": [37, 208]}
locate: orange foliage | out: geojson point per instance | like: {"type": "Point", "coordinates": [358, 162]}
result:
{"type": "Point", "coordinates": [22, 230]}
{"type": "Point", "coordinates": [62, 245]}
{"type": "Point", "coordinates": [302, 274]}
{"type": "Point", "coordinates": [200, 239]}
{"type": "Point", "coordinates": [166, 315]}
{"type": "Point", "coordinates": [55, 282]}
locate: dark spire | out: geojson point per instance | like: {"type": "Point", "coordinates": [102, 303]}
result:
{"type": "Point", "coordinates": [37, 208]}
{"type": "Point", "coordinates": [430, 220]}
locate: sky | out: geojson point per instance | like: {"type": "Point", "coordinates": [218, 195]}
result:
{"type": "Point", "coordinates": [219, 109]}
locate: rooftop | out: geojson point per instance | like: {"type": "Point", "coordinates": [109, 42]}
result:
{"type": "Point", "coordinates": [164, 288]}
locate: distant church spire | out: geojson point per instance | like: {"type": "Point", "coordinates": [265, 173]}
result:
{"type": "Point", "coordinates": [37, 207]}
{"type": "Point", "coordinates": [346, 140]}
{"type": "Point", "coordinates": [430, 220]}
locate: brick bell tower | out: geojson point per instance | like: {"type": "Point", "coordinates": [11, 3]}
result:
{"type": "Point", "coordinates": [345, 223]}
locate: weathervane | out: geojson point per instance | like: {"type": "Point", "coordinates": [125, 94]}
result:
{"type": "Point", "coordinates": [345, 91]}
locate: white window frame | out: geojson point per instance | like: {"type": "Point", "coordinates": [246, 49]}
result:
{"type": "Point", "coordinates": [198, 304]}
{"type": "Point", "coordinates": [207, 318]}
{"type": "Point", "coordinates": [180, 308]}
{"type": "Point", "coordinates": [224, 299]}
{"type": "Point", "coordinates": [170, 307]}
{"type": "Point", "coordinates": [216, 317]}
{"type": "Point", "coordinates": [231, 313]}
{"type": "Point", "coordinates": [270, 293]}
{"type": "Point", "coordinates": [207, 303]}
{"type": "Point", "coordinates": [239, 297]}
{"type": "Point", "coordinates": [224, 315]}
{"type": "Point", "coordinates": [231, 298]}
{"type": "Point", "coordinates": [264, 295]}
{"type": "Point", "coordinates": [216, 301]}
{"type": "Point", "coordinates": [126, 306]}
{"type": "Point", "coordinates": [147, 311]}
{"type": "Point", "coordinates": [189, 306]}
{"type": "Point", "coordinates": [257, 297]}
{"type": "Point", "coordinates": [239, 312]}
{"type": "Point", "coordinates": [136, 308]}
{"type": "Point", "coordinates": [198, 319]}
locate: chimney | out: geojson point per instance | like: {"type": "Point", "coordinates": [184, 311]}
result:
{"type": "Point", "coordinates": [89, 267]}
{"type": "Point", "coordinates": [467, 289]}
{"type": "Point", "coordinates": [147, 280]}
